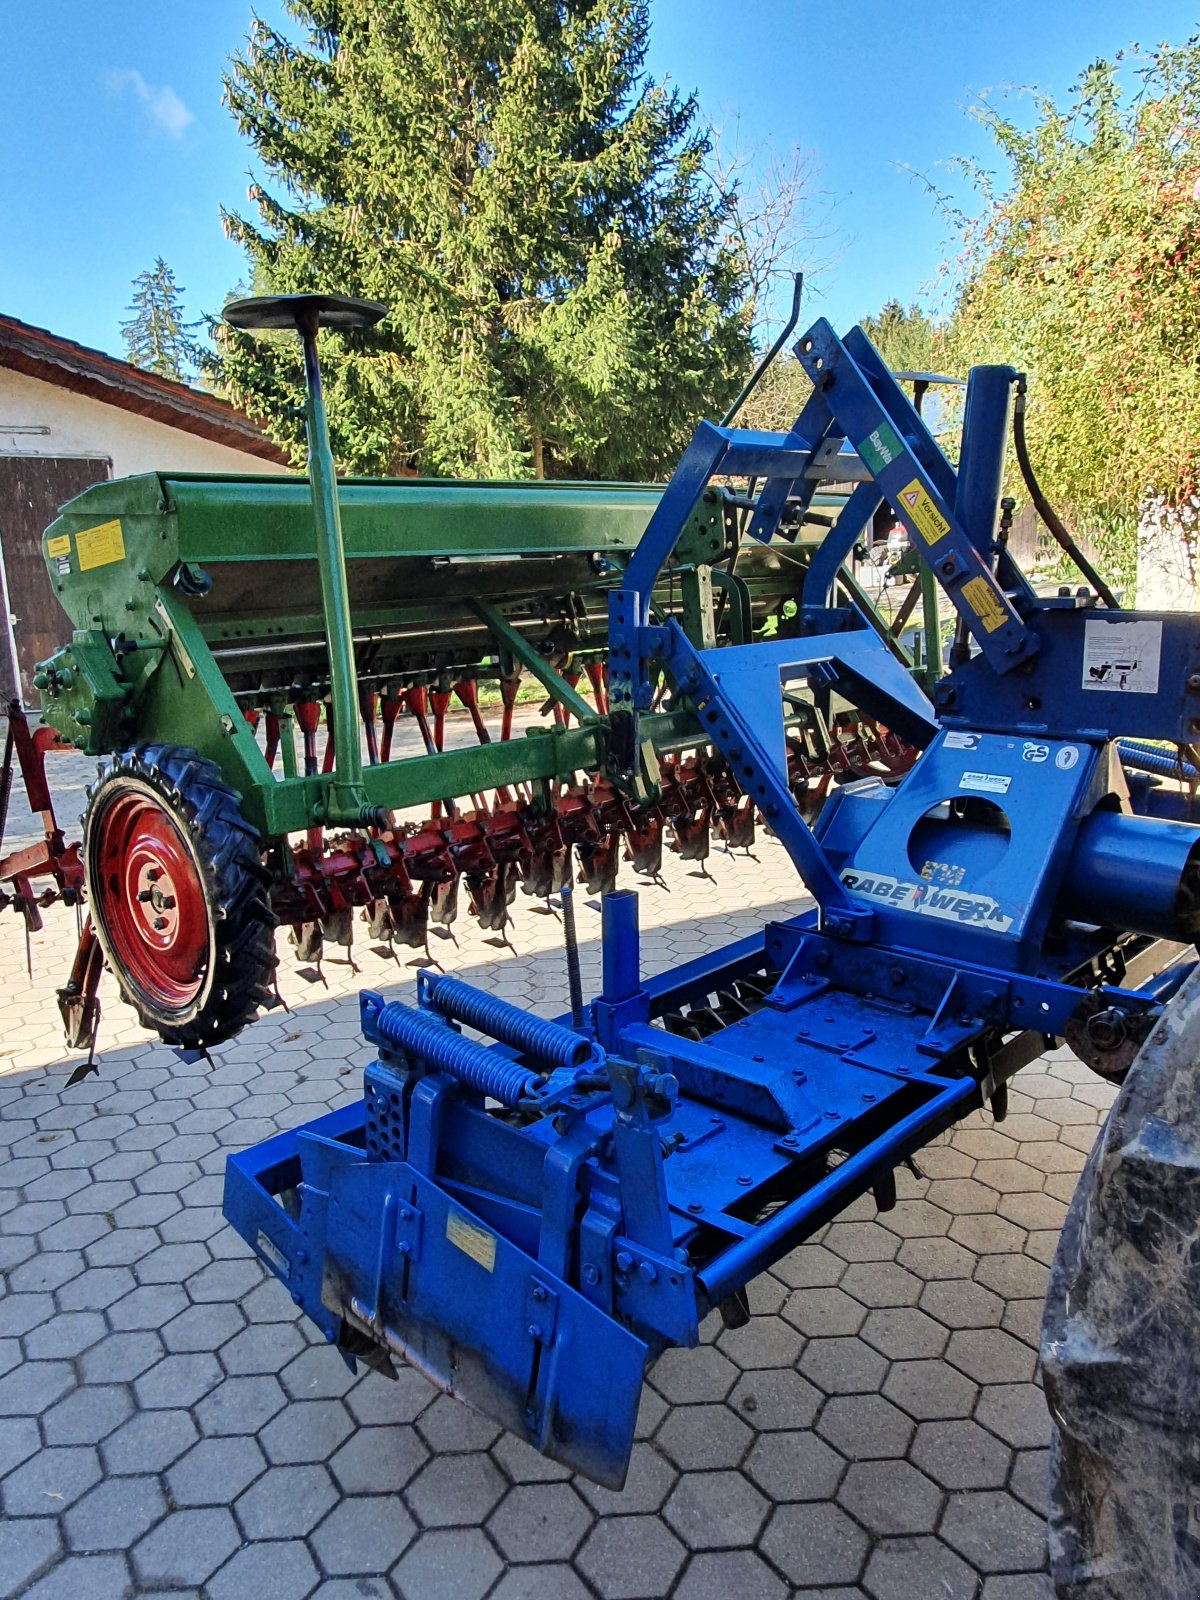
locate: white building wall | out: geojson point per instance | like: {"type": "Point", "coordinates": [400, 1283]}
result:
{"type": "Point", "coordinates": [80, 426]}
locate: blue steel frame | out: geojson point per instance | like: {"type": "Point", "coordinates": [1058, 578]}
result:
{"type": "Point", "coordinates": [530, 1222]}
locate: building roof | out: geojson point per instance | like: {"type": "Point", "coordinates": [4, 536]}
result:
{"type": "Point", "coordinates": [40, 354]}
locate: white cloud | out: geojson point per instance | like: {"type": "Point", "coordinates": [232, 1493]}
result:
{"type": "Point", "coordinates": [163, 106]}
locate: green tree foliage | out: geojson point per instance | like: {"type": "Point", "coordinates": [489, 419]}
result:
{"type": "Point", "coordinates": [564, 294]}
{"type": "Point", "coordinates": [157, 337]}
{"type": "Point", "coordinates": [1083, 269]}
{"type": "Point", "coordinates": [907, 339]}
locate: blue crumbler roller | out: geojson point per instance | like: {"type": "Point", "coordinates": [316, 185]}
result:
{"type": "Point", "coordinates": [530, 1221]}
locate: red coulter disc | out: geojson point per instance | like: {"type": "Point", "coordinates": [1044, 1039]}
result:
{"type": "Point", "coordinates": [150, 896]}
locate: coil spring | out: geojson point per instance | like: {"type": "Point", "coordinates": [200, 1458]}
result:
{"type": "Point", "coordinates": [1148, 758]}
{"type": "Point", "coordinates": [440, 1046]}
{"type": "Point", "coordinates": [545, 1042]}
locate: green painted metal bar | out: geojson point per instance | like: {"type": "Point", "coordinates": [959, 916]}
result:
{"type": "Point", "coordinates": [553, 682]}
{"type": "Point", "coordinates": [346, 793]}
{"type": "Point", "coordinates": [291, 804]}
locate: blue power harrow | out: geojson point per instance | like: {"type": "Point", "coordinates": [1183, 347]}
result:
{"type": "Point", "coordinates": [529, 1221]}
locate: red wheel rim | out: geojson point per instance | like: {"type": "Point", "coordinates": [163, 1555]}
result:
{"type": "Point", "coordinates": [149, 897]}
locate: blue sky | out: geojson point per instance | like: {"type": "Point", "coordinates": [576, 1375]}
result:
{"type": "Point", "coordinates": [118, 148]}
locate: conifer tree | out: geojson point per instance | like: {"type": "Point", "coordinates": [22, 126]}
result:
{"type": "Point", "coordinates": [565, 298]}
{"type": "Point", "coordinates": [157, 338]}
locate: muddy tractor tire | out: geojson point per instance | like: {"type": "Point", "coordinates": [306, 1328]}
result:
{"type": "Point", "coordinates": [1121, 1338]}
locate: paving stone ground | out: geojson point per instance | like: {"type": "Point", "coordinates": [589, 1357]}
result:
{"type": "Point", "coordinates": [168, 1423]}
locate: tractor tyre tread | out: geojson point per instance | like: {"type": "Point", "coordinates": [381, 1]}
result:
{"type": "Point", "coordinates": [237, 883]}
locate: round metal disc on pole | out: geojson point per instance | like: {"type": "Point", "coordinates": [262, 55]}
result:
{"type": "Point", "coordinates": [303, 312]}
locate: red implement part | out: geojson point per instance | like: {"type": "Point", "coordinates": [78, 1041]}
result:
{"type": "Point", "coordinates": [368, 702]}
{"type": "Point", "coordinates": [153, 900]}
{"type": "Point", "coordinates": [389, 710]}
{"type": "Point", "coordinates": [598, 678]}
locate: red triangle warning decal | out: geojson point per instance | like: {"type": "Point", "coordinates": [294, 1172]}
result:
{"type": "Point", "coordinates": [910, 498]}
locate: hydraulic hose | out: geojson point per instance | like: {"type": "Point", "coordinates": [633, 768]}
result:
{"type": "Point", "coordinates": [1045, 510]}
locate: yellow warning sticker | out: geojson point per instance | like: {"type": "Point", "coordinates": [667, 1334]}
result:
{"type": "Point", "coordinates": [471, 1239]}
{"type": "Point", "coordinates": [921, 511]}
{"type": "Point", "coordinates": [984, 602]}
{"type": "Point", "coordinates": [60, 546]}
{"type": "Point", "coordinates": [100, 546]}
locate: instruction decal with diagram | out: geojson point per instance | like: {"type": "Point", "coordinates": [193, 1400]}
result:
{"type": "Point", "coordinates": [1122, 657]}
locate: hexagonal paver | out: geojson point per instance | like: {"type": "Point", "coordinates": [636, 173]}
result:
{"type": "Point", "coordinates": [930, 1389]}
{"type": "Point", "coordinates": [114, 1514]}
{"type": "Point", "coordinates": [28, 1547]}
{"type": "Point", "coordinates": [703, 1438]}
{"type": "Point", "coordinates": [1016, 1413]}
{"type": "Point", "coordinates": [629, 1558]}
{"type": "Point", "coordinates": [557, 1582]}
{"type": "Point", "coordinates": [989, 1355]}
{"type": "Point", "coordinates": [49, 1481]}
{"type": "Point", "coordinates": [242, 1405]}
{"type": "Point", "coordinates": [730, 1573]}
{"type": "Point", "coordinates": [959, 1454]}
{"type": "Point", "coordinates": [186, 1548]}
{"type": "Point", "coordinates": [994, 1532]}
{"type": "Point", "coordinates": [647, 1484]}
{"type": "Point", "coordinates": [901, 1569]}
{"type": "Point", "coordinates": [689, 1377]}
{"type": "Point", "coordinates": [823, 1313]}
{"type": "Point", "coordinates": [795, 1466]}
{"type": "Point", "coordinates": [306, 1430]}
{"type": "Point", "coordinates": [450, 1564]}
{"type": "Point", "coordinates": [363, 1534]}
{"type": "Point", "coordinates": [377, 1460]}
{"type": "Point", "coordinates": [903, 1333]}
{"type": "Point", "coordinates": [148, 1442]}
{"type": "Point", "coordinates": [285, 1503]}
{"type": "Point", "coordinates": [455, 1491]}
{"type": "Point", "coordinates": [843, 1366]}
{"type": "Point", "coordinates": [521, 1463]}
{"type": "Point", "coordinates": [862, 1241]}
{"type": "Point", "coordinates": [278, 1570]}
{"type": "Point", "coordinates": [765, 1342]}
{"type": "Point", "coordinates": [715, 1510]}
{"type": "Point", "coordinates": [447, 1425]}
{"type": "Point", "coordinates": [215, 1471]}
{"type": "Point", "coordinates": [890, 1497]}
{"type": "Point", "coordinates": [815, 1544]}
{"type": "Point", "coordinates": [811, 1266]}
{"type": "Point", "coordinates": [97, 1577]}
{"type": "Point", "coordinates": [775, 1399]}
{"type": "Point", "coordinates": [540, 1522]}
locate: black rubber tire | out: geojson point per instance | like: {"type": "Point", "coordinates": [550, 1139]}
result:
{"type": "Point", "coordinates": [239, 976]}
{"type": "Point", "coordinates": [1119, 1349]}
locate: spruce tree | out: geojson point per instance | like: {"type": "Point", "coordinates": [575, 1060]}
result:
{"type": "Point", "coordinates": [157, 338]}
{"type": "Point", "coordinates": [565, 299]}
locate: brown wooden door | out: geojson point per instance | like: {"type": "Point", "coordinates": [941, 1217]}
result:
{"type": "Point", "coordinates": [32, 489]}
